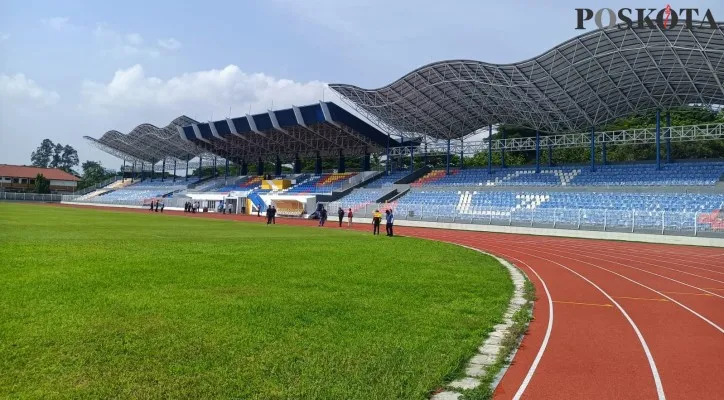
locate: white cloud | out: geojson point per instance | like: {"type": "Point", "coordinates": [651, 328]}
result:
{"type": "Point", "coordinates": [119, 45]}
{"type": "Point", "coordinates": [169, 44]}
{"type": "Point", "coordinates": [59, 23]}
{"type": "Point", "coordinates": [197, 94]}
{"type": "Point", "coordinates": [18, 89]}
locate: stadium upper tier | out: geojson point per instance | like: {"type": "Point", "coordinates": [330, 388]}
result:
{"type": "Point", "coordinates": [587, 81]}
{"type": "Point", "coordinates": [678, 174]}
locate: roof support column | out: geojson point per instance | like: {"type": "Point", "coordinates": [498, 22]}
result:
{"type": "Point", "coordinates": [163, 170]}
{"type": "Point", "coordinates": [502, 149]}
{"type": "Point", "coordinates": [278, 167]}
{"type": "Point", "coordinates": [142, 171]}
{"type": "Point", "coordinates": [593, 149]}
{"type": "Point", "coordinates": [462, 160]}
{"type": "Point", "coordinates": [447, 159]}
{"type": "Point", "coordinates": [658, 140]}
{"type": "Point", "coordinates": [216, 172]}
{"type": "Point", "coordinates": [133, 172]}
{"type": "Point", "coordinates": [424, 156]}
{"type": "Point", "coordinates": [123, 170]}
{"type": "Point", "coordinates": [244, 168]}
{"type": "Point", "coordinates": [366, 161]}
{"type": "Point", "coordinates": [188, 159]}
{"type": "Point", "coordinates": [297, 164]}
{"type": "Point", "coordinates": [387, 157]}
{"type": "Point", "coordinates": [318, 164]}
{"type": "Point", "coordinates": [412, 159]}
{"type": "Point", "coordinates": [537, 152]}
{"type": "Point", "coordinates": [550, 155]}
{"type": "Point", "coordinates": [174, 171]}
{"type": "Point", "coordinates": [153, 167]}
{"type": "Point", "coordinates": [490, 149]}
{"type": "Point", "coordinates": [340, 167]}
{"type": "Point", "coordinates": [226, 170]}
{"type": "Point", "coordinates": [604, 159]}
{"type": "Point", "coordinates": [201, 159]}
{"type": "Point", "coordinates": [260, 167]}
{"type": "Point", "coordinates": [668, 137]}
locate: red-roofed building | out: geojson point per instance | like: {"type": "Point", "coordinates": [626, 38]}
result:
{"type": "Point", "coordinates": [18, 178]}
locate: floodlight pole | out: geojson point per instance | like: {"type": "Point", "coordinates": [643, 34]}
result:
{"type": "Point", "coordinates": [593, 149]}
{"type": "Point", "coordinates": [447, 159]}
{"type": "Point", "coordinates": [658, 140]}
{"type": "Point", "coordinates": [668, 137]}
{"type": "Point", "coordinates": [537, 152]}
{"type": "Point", "coordinates": [490, 149]}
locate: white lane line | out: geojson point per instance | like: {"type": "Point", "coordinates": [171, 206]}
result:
{"type": "Point", "coordinates": [717, 327]}
{"type": "Point", "coordinates": [549, 329]}
{"type": "Point", "coordinates": [647, 351]}
{"type": "Point", "coordinates": [627, 257]}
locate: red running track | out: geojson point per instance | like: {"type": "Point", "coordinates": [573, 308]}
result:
{"type": "Point", "coordinates": [613, 320]}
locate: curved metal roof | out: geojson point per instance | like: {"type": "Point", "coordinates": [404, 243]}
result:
{"type": "Point", "coordinates": [149, 143]}
{"type": "Point", "coordinates": [587, 81]}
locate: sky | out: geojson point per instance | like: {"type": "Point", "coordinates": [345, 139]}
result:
{"type": "Point", "coordinates": [75, 68]}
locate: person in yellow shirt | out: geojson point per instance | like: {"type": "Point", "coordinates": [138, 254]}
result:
{"type": "Point", "coordinates": [376, 219]}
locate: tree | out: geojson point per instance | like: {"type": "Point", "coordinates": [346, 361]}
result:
{"type": "Point", "coordinates": [42, 184]}
{"type": "Point", "coordinates": [64, 157]}
{"type": "Point", "coordinates": [94, 173]}
{"type": "Point", "coordinates": [41, 157]}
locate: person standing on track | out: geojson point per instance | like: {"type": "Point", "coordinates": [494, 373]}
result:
{"type": "Point", "coordinates": [349, 218]}
{"type": "Point", "coordinates": [340, 214]}
{"type": "Point", "coordinates": [322, 216]}
{"type": "Point", "coordinates": [162, 206]}
{"type": "Point", "coordinates": [269, 215]}
{"type": "Point", "coordinates": [274, 214]}
{"type": "Point", "coordinates": [390, 220]}
{"type": "Point", "coordinates": [376, 219]}
{"type": "Point", "coordinates": [151, 209]}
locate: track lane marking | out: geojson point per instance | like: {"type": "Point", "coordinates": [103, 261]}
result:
{"type": "Point", "coordinates": [524, 385]}
{"type": "Point", "coordinates": [583, 304]}
{"type": "Point", "coordinates": [639, 298]}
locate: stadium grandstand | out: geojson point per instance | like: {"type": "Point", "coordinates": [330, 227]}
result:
{"type": "Point", "coordinates": [565, 95]}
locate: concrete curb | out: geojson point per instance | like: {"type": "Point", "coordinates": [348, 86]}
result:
{"type": "Point", "coordinates": [491, 347]}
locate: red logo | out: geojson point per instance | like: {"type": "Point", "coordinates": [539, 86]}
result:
{"type": "Point", "coordinates": [667, 15]}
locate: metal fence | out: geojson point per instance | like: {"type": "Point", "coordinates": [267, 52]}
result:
{"type": "Point", "coordinates": [660, 222]}
{"type": "Point", "coordinates": [30, 197]}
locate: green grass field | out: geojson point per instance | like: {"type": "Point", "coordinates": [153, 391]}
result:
{"type": "Point", "coordinates": [105, 304]}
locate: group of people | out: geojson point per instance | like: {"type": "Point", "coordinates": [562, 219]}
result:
{"type": "Point", "coordinates": [377, 219]}
{"type": "Point", "coordinates": [225, 207]}
{"type": "Point", "coordinates": [192, 207]}
{"type": "Point", "coordinates": [156, 204]}
{"type": "Point", "coordinates": [271, 215]}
